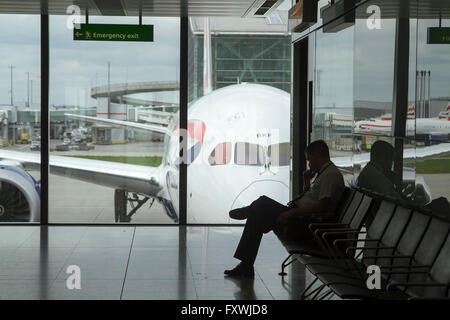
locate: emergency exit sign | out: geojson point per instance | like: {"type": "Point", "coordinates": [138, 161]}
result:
{"type": "Point", "coordinates": [114, 32]}
{"type": "Point", "coordinates": [438, 36]}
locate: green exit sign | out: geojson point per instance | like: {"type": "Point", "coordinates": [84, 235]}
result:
{"type": "Point", "coordinates": [438, 36]}
{"type": "Point", "coordinates": [113, 32]}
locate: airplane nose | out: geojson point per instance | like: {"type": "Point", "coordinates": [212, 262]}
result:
{"type": "Point", "coordinates": [273, 189]}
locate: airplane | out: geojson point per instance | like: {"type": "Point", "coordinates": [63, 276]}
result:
{"type": "Point", "coordinates": [445, 114]}
{"type": "Point", "coordinates": [421, 126]}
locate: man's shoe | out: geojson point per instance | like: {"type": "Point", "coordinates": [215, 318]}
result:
{"type": "Point", "coordinates": [239, 214]}
{"type": "Point", "coordinates": [241, 270]}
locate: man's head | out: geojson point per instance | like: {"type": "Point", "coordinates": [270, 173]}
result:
{"type": "Point", "coordinates": [317, 154]}
{"type": "Point", "coordinates": [382, 153]}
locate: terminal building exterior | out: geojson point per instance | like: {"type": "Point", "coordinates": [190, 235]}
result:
{"type": "Point", "coordinates": [256, 52]}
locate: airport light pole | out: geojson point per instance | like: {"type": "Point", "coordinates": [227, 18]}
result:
{"type": "Point", "coordinates": [11, 67]}
{"type": "Point", "coordinates": [109, 89]}
{"type": "Point", "coordinates": [429, 94]}
{"type": "Point", "coordinates": [28, 89]}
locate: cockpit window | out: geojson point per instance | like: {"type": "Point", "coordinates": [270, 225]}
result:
{"type": "Point", "coordinates": [221, 154]}
{"type": "Point", "coordinates": [279, 154]}
{"type": "Point", "coordinates": [249, 154]}
{"type": "Point", "coordinates": [192, 154]}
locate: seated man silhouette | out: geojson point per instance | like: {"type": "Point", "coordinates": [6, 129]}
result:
{"type": "Point", "coordinates": [377, 175]}
{"type": "Point", "coordinates": [318, 200]}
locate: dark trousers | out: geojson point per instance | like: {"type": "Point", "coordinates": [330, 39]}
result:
{"type": "Point", "coordinates": [262, 216]}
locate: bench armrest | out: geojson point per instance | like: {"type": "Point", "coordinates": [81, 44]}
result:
{"type": "Point", "coordinates": [317, 231]}
{"type": "Point", "coordinates": [361, 248]}
{"type": "Point", "coordinates": [405, 272]}
{"type": "Point", "coordinates": [335, 242]}
{"type": "Point", "coordinates": [393, 256]}
{"type": "Point", "coordinates": [324, 224]}
{"type": "Point", "coordinates": [415, 284]}
{"type": "Point", "coordinates": [403, 266]}
{"type": "Point", "coordinates": [347, 231]}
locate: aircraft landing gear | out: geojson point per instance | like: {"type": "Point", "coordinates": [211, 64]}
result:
{"type": "Point", "coordinates": [121, 197]}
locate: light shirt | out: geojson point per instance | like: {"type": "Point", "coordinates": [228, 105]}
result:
{"type": "Point", "coordinates": [329, 183]}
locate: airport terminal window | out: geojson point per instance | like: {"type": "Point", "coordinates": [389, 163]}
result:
{"type": "Point", "coordinates": [374, 56]}
{"type": "Point", "coordinates": [221, 154]}
{"type": "Point", "coordinates": [432, 128]}
{"type": "Point", "coordinates": [111, 169]}
{"type": "Point", "coordinates": [20, 118]}
{"type": "Point", "coordinates": [433, 77]}
{"type": "Point", "coordinates": [426, 150]}
{"type": "Point", "coordinates": [331, 75]}
{"type": "Point", "coordinates": [250, 80]}
{"type": "Point", "coordinates": [353, 76]}
{"type": "Point", "coordinates": [373, 69]}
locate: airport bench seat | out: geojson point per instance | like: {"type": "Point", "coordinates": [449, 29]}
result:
{"type": "Point", "coordinates": [411, 247]}
{"type": "Point", "coordinates": [351, 211]}
{"type": "Point", "coordinates": [419, 280]}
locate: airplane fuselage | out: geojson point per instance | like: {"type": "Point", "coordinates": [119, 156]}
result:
{"type": "Point", "coordinates": [419, 126]}
{"type": "Point", "coordinates": [233, 159]}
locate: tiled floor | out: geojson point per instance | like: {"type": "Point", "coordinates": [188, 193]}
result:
{"type": "Point", "coordinates": [158, 262]}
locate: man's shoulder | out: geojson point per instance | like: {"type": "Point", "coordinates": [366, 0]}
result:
{"type": "Point", "coordinates": [369, 170]}
{"type": "Point", "coordinates": [333, 170]}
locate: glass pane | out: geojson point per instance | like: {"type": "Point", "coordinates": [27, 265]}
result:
{"type": "Point", "coordinates": [245, 105]}
{"type": "Point", "coordinates": [113, 137]}
{"type": "Point", "coordinates": [20, 118]}
{"type": "Point", "coordinates": [432, 135]}
{"type": "Point", "coordinates": [331, 75]}
{"type": "Point", "coordinates": [373, 75]}
{"type": "Point", "coordinates": [433, 99]}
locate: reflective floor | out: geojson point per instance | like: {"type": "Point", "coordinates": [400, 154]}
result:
{"type": "Point", "coordinates": [158, 262]}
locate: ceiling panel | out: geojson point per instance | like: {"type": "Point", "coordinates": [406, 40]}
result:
{"type": "Point", "coordinates": [236, 8]}
{"type": "Point", "coordinates": [423, 9]}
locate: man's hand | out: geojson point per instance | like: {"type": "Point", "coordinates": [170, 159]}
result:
{"type": "Point", "coordinates": [307, 177]}
{"type": "Point", "coordinates": [284, 217]}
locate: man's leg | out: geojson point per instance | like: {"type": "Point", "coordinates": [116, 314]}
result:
{"type": "Point", "coordinates": [261, 219]}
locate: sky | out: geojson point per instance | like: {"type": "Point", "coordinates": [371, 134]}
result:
{"type": "Point", "coordinates": [358, 64]}
{"type": "Point", "coordinates": [76, 66]}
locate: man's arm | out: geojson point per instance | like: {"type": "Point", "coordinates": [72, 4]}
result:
{"type": "Point", "coordinates": [307, 177]}
{"type": "Point", "coordinates": [308, 206]}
